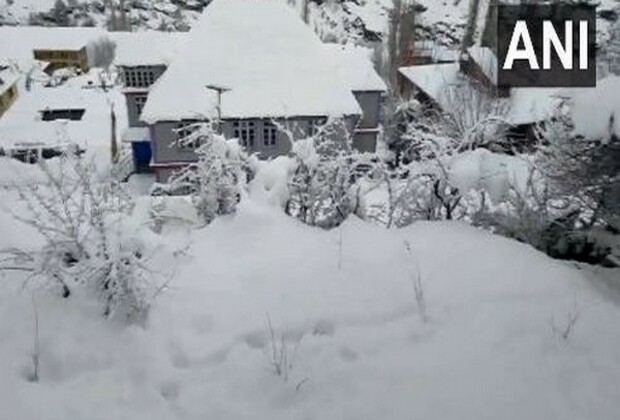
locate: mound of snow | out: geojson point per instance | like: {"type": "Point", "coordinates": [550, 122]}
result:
{"type": "Point", "coordinates": [596, 112]}
{"type": "Point", "coordinates": [342, 307]}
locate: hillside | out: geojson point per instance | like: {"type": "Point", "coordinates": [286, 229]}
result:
{"type": "Point", "coordinates": [359, 20]}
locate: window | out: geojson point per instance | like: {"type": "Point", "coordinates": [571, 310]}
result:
{"type": "Point", "coordinates": [139, 77]}
{"type": "Point", "coordinates": [270, 133]}
{"type": "Point", "coordinates": [315, 125]}
{"type": "Point", "coordinates": [140, 102]}
{"type": "Point", "coordinates": [245, 132]}
{"type": "Point", "coordinates": [183, 131]}
{"type": "Point", "coordinates": [62, 114]}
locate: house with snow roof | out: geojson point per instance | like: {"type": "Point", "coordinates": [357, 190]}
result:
{"type": "Point", "coordinates": [44, 121]}
{"type": "Point", "coordinates": [253, 64]}
{"type": "Point", "coordinates": [476, 70]}
{"type": "Point", "coordinates": [142, 57]}
{"type": "Point", "coordinates": [8, 87]}
{"type": "Point", "coordinates": [54, 48]}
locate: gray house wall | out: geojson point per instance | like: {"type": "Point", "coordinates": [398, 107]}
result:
{"type": "Point", "coordinates": [370, 102]}
{"type": "Point", "coordinates": [132, 92]}
{"type": "Point", "coordinates": [164, 144]}
{"type": "Point", "coordinates": [133, 116]}
{"type": "Point", "coordinates": [169, 157]}
{"type": "Point", "coordinates": [365, 141]}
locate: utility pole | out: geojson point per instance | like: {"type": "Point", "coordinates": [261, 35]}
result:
{"type": "Point", "coordinates": [219, 90]}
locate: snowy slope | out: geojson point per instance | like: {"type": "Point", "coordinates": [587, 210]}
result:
{"type": "Point", "coordinates": [144, 14]}
{"type": "Point", "coordinates": [356, 343]}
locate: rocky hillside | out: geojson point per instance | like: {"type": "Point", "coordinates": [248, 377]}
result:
{"type": "Point", "coordinates": [337, 20]}
{"type": "Point", "coordinates": [140, 14]}
{"type": "Point", "coordinates": [359, 21]}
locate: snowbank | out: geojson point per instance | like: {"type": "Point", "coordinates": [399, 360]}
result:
{"type": "Point", "coordinates": [342, 304]}
{"type": "Point", "coordinates": [596, 112]}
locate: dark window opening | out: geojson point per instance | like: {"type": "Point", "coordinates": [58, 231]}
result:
{"type": "Point", "coordinates": [270, 133]}
{"type": "Point", "coordinates": [245, 131]}
{"type": "Point", "coordinates": [140, 102]}
{"type": "Point", "coordinates": [139, 78]}
{"type": "Point", "coordinates": [184, 132]}
{"type": "Point", "coordinates": [62, 114]}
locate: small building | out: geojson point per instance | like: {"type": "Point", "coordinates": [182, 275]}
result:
{"type": "Point", "coordinates": [59, 58]}
{"type": "Point", "coordinates": [448, 87]}
{"type": "Point", "coordinates": [142, 58]}
{"type": "Point", "coordinates": [253, 64]}
{"type": "Point", "coordinates": [8, 87]}
{"type": "Point", "coordinates": [56, 47]}
{"type": "Point", "coordinates": [45, 121]}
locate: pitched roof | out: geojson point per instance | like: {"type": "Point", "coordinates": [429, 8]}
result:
{"type": "Point", "coordinates": [146, 48]}
{"type": "Point", "coordinates": [272, 63]}
{"type": "Point", "coordinates": [22, 127]}
{"type": "Point", "coordinates": [485, 58]}
{"type": "Point", "coordinates": [132, 48]}
{"type": "Point", "coordinates": [356, 68]}
{"type": "Point", "coordinates": [523, 106]}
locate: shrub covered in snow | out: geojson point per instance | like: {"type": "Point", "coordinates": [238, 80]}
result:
{"type": "Point", "coordinates": [88, 237]}
{"type": "Point", "coordinates": [321, 181]}
{"type": "Point", "coordinates": [217, 180]}
{"type": "Point", "coordinates": [584, 166]}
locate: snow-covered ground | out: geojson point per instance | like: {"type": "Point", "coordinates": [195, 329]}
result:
{"type": "Point", "coordinates": [342, 306]}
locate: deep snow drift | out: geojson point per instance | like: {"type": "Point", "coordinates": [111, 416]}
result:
{"type": "Point", "coordinates": [342, 307]}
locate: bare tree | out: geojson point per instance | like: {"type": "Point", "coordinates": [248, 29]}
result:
{"type": "Point", "coordinates": [216, 181]}
{"type": "Point", "coordinates": [401, 37]}
{"type": "Point", "coordinates": [320, 188]}
{"type": "Point", "coordinates": [87, 238]}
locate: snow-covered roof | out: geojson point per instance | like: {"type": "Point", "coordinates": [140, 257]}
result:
{"type": "Point", "coordinates": [270, 62]}
{"type": "Point", "coordinates": [432, 79]}
{"type": "Point", "coordinates": [22, 125]}
{"type": "Point", "coordinates": [132, 48]}
{"type": "Point", "coordinates": [18, 43]}
{"type": "Point", "coordinates": [356, 68]}
{"type": "Point", "coordinates": [146, 48]}
{"type": "Point", "coordinates": [524, 105]}
{"type": "Point", "coordinates": [136, 134]}
{"type": "Point", "coordinates": [18, 38]}
{"type": "Point", "coordinates": [485, 58]}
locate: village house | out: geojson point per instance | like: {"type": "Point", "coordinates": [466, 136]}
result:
{"type": "Point", "coordinates": [253, 65]}
{"type": "Point", "coordinates": [141, 59]}
{"type": "Point", "coordinates": [52, 47]}
{"type": "Point", "coordinates": [472, 80]}
{"type": "Point", "coordinates": [45, 121]}
{"type": "Point", "coordinates": [8, 87]}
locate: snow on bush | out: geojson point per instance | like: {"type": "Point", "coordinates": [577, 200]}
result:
{"type": "Point", "coordinates": [586, 168]}
{"type": "Point", "coordinates": [321, 181]}
{"type": "Point", "coordinates": [88, 237]}
{"type": "Point", "coordinates": [217, 180]}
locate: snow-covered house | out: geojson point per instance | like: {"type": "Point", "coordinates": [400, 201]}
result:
{"type": "Point", "coordinates": [8, 87]}
{"type": "Point", "coordinates": [252, 63]}
{"type": "Point", "coordinates": [476, 72]}
{"type": "Point", "coordinates": [44, 121]}
{"type": "Point", "coordinates": [56, 47]}
{"type": "Point", "coordinates": [142, 58]}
